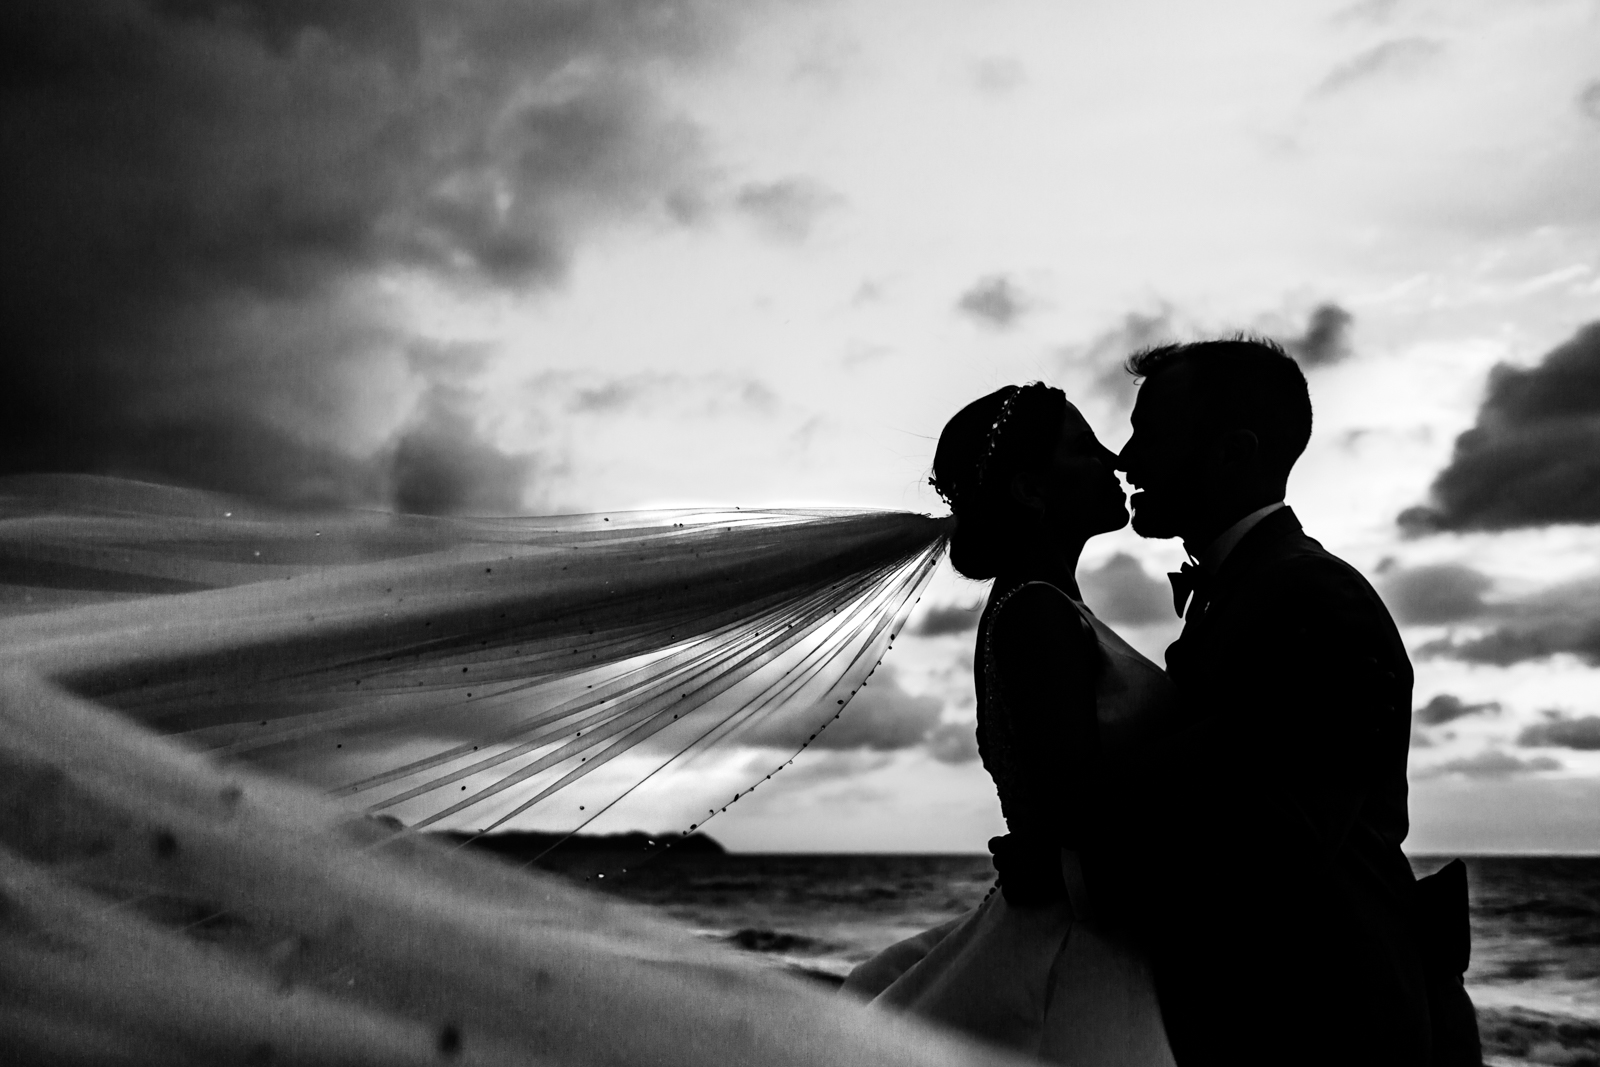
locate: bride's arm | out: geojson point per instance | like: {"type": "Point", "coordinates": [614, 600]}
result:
{"type": "Point", "coordinates": [1047, 666]}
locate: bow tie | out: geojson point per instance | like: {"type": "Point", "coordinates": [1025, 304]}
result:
{"type": "Point", "coordinates": [1188, 586]}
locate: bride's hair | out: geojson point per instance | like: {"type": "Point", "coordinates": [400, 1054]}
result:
{"type": "Point", "coordinates": [1013, 429]}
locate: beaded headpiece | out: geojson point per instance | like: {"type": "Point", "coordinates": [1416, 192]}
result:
{"type": "Point", "coordinates": [980, 468]}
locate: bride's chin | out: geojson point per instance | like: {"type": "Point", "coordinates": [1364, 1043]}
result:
{"type": "Point", "coordinates": [1115, 520]}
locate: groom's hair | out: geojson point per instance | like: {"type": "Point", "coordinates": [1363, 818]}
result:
{"type": "Point", "coordinates": [1243, 383]}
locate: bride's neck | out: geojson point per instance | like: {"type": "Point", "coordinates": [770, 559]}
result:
{"type": "Point", "coordinates": [1057, 564]}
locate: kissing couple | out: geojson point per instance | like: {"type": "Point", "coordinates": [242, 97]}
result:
{"type": "Point", "coordinates": [1203, 864]}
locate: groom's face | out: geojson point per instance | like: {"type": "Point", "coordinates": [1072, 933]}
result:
{"type": "Point", "coordinates": [1164, 458]}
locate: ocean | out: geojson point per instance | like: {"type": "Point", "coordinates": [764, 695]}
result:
{"type": "Point", "coordinates": [1535, 974]}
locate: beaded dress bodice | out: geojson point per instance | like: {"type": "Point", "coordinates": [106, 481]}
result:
{"type": "Point", "coordinates": [1132, 699]}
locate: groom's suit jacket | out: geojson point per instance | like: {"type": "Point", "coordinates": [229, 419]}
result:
{"type": "Point", "coordinates": [1258, 849]}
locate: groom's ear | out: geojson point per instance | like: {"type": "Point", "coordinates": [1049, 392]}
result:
{"type": "Point", "coordinates": [1237, 450]}
{"type": "Point", "coordinates": [1240, 445]}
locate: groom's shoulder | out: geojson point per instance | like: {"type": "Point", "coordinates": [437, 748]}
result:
{"type": "Point", "coordinates": [1310, 598]}
{"type": "Point", "coordinates": [1297, 567]}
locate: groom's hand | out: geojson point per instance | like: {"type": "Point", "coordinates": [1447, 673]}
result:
{"type": "Point", "coordinates": [1029, 868]}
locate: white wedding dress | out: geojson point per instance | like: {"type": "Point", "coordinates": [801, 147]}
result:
{"type": "Point", "coordinates": [1048, 980]}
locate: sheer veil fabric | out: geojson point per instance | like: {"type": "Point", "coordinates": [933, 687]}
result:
{"type": "Point", "coordinates": [187, 677]}
{"type": "Point", "coordinates": [446, 671]}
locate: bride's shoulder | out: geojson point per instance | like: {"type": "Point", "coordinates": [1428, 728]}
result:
{"type": "Point", "coordinates": [1033, 595]}
{"type": "Point", "coordinates": [1036, 608]}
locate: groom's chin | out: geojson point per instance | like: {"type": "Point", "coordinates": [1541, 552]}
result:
{"type": "Point", "coordinates": [1149, 522]}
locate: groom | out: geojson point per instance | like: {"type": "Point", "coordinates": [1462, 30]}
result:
{"type": "Point", "coordinates": [1257, 851]}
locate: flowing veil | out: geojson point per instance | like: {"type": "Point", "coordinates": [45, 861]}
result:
{"type": "Point", "coordinates": [188, 677]}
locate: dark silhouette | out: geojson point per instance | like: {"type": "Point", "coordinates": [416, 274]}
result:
{"type": "Point", "coordinates": [1026, 500]}
{"type": "Point", "coordinates": [1031, 968]}
{"type": "Point", "coordinates": [1256, 848]}
{"type": "Point", "coordinates": [1533, 456]}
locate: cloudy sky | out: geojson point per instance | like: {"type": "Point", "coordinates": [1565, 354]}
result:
{"type": "Point", "coordinates": [496, 257]}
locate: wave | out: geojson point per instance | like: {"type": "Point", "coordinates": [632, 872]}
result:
{"type": "Point", "coordinates": [1517, 1034]}
{"type": "Point", "coordinates": [759, 939]}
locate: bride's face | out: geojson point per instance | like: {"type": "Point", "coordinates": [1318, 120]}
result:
{"type": "Point", "coordinates": [1078, 490]}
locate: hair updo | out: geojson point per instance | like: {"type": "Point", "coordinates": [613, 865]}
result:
{"type": "Point", "coordinates": [986, 443]}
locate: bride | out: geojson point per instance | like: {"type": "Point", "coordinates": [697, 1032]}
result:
{"type": "Point", "coordinates": [1058, 694]}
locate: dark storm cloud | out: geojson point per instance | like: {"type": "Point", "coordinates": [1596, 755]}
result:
{"type": "Point", "coordinates": [1438, 593]}
{"type": "Point", "coordinates": [993, 299]}
{"type": "Point", "coordinates": [881, 717]}
{"type": "Point", "coordinates": [1447, 708]}
{"type": "Point", "coordinates": [788, 208]}
{"type": "Point", "coordinates": [1326, 338]}
{"type": "Point", "coordinates": [1533, 458]}
{"type": "Point", "coordinates": [1119, 591]}
{"type": "Point", "coordinates": [1490, 763]}
{"type": "Point", "coordinates": [1563, 619]}
{"type": "Point", "coordinates": [202, 197]}
{"type": "Point", "coordinates": [1402, 57]}
{"type": "Point", "coordinates": [953, 742]}
{"type": "Point", "coordinates": [1560, 732]}
{"type": "Point", "coordinates": [442, 467]}
{"type": "Point", "coordinates": [1506, 645]}
{"type": "Point", "coordinates": [942, 619]}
